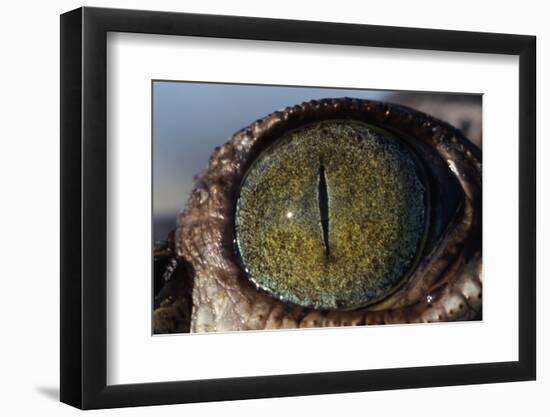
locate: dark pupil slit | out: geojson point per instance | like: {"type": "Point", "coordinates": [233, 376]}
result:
{"type": "Point", "coordinates": [323, 206]}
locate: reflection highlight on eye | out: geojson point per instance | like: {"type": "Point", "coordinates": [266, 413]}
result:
{"type": "Point", "coordinates": [334, 212]}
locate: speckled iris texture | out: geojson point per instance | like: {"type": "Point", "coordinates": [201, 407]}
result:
{"type": "Point", "coordinates": [375, 219]}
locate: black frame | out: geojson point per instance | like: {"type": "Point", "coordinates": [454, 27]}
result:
{"type": "Point", "coordinates": [84, 208]}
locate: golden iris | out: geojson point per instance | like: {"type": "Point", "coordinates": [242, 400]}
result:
{"type": "Point", "coordinates": [332, 215]}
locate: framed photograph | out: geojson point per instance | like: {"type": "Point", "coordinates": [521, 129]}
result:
{"type": "Point", "coordinates": [255, 208]}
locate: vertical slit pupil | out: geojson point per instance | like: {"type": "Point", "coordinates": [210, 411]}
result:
{"type": "Point", "coordinates": [323, 206]}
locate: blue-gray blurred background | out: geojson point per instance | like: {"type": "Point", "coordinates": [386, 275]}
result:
{"type": "Point", "coordinates": [191, 119]}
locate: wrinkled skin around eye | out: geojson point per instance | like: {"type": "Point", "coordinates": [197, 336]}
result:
{"type": "Point", "coordinates": [445, 284]}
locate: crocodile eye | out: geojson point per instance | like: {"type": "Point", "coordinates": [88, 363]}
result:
{"type": "Point", "coordinates": [333, 215]}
